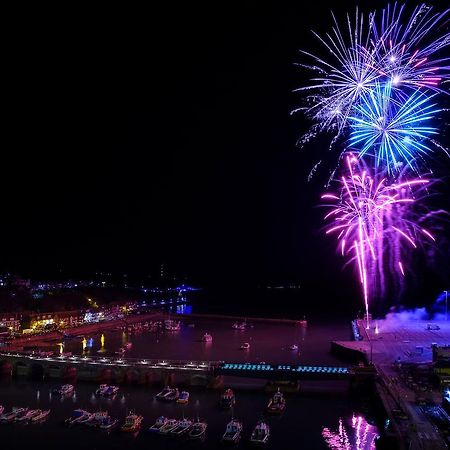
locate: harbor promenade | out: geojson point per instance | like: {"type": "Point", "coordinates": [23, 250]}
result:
{"type": "Point", "coordinates": [387, 345]}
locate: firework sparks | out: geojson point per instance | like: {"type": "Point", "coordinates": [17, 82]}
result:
{"type": "Point", "coordinates": [376, 223]}
{"type": "Point", "coordinates": [394, 132]}
{"type": "Point", "coordinates": [379, 76]}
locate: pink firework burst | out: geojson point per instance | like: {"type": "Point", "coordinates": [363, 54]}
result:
{"type": "Point", "coordinates": [377, 223]}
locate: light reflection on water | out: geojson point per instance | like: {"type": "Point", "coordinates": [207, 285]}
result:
{"type": "Point", "coordinates": [323, 421]}
{"type": "Point", "coordinates": [351, 434]}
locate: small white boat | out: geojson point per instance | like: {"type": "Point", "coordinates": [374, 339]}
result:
{"type": "Point", "coordinates": [78, 416]}
{"type": "Point", "coordinates": [10, 416]}
{"type": "Point", "coordinates": [64, 390]}
{"type": "Point", "coordinates": [108, 423]}
{"type": "Point", "coordinates": [239, 326]}
{"type": "Point", "coordinates": [105, 390]}
{"type": "Point", "coordinates": [233, 432]}
{"type": "Point", "coordinates": [172, 396]}
{"type": "Point", "coordinates": [293, 347]}
{"type": "Point", "coordinates": [260, 434]}
{"type": "Point", "coordinates": [96, 419]}
{"type": "Point", "coordinates": [160, 422]}
{"type": "Point", "coordinates": [43, 414]}
{"type": "Point", "coordinates": [182, 427]}
{"type": "Point", "coordinates": [198, 430]}
{"type": "Point", "coordinates": [168, 426]}
{"type": "Point", "coordinates": [183, 398]}
{"type": "Point", "coordinates": [245, 346]}
{"type": "Point", "coordinates": [277, 404]}
{"type": "Point", "coordinates": [27, 415]}
{"type": "Point", "coordinates": [164, 393]}
{"type": "Point", "coordinates": [207, 338]}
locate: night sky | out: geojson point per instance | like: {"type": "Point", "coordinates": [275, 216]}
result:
{"type": "Point", "coordinates": [135, 138]}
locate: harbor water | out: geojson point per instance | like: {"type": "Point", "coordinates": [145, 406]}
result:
{"type": "Point", "coordinates": [323, 415]}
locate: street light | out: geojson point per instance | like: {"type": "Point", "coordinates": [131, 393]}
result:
{"type": "Point", "coordinates": [446, 295]}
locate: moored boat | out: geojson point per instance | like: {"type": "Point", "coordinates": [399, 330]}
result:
{"type": "Point", "coordinates": [245, 346]}
{"type": "Point", "coordinates": [65, 389]}
{"type": "Point", "coordinates": [78, 416]}
{"type": "Point", "coordinates": [132, 423]}
{"type": "Point", "coordinates": [183, 398]}
{"type": "Point", "coordinates": [182, 427]}
{"type": "Point", "coordinates": [96, 419]}
{"type": "Point", "coordinates": [26, 415]}
{"type": "Point", "coordinates": [207, 338]}
{"type": "Point", "coordinates": [277, 404]}
{"type": "Point", "coordinates": [11, 415]}
{"type": "Point", "coordinates": [173, 395]}
{"type": "Point", "coordinates": [260, 434]}
{"type": "Point", "coordinates": [198, 430]}
{"type": "Point", "coordinates": [160, 422]}
{"type": "Point", "coordinates": [105, 390]}
{"type": "Point", "coordinates": [162, 395]}
{"type": "Point", "coordinates": [108, 423]}
{"type": "Point", "coordinates": [293, 347]}
{"type": "Point", "coordinates": [43, 414]}
{"type": "Point", "coordinates": [233, 432]}
{"type": "Point", "coordinates": [227, 400]}
{"type": "Point", "coordinates": [168, 426]}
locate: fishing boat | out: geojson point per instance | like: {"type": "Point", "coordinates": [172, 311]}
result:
{"type": "Point", "coordinates": [26, 415]}
{"type": "Point", "coordinates": [198, 430]}
{"type": "Point", "coordinates": [64, 390]}
{"type": "Point", "coordinates": [162, 395]}
{"type": "Point", "coordinates": [168, 426]}
{"type": "Point", "coordinates": [96, 419]}
{"type": "Point", "coordinates": [227, 400]}
{"type": "Point", "coordinates": [104, 390]}
{"type": "Point", "coordinates": [182, 427]}
{"type": "Point", "coordinates": [233, 432]}
{"type": "Point", "coordinates": [79, 416]}
{"type": "Point", "coordinates": [43, 414]}
{"type": "Point", "coordinates": [160, 422]}
{"type": "Point", "coordinates": [277, 404]}
{"type": "Point", "coordinates": [183, 397]}
{"type": "Point", "coordinates": [172, 396]}
{"type": "Point", "coordinates": [245, 346]}
{"type": "Point", "coordinates": [108, 423]}
{"type": "Point", "coordinates": [260, 434]}
{"type": "Point", "coordinates": [207, 338]}
{"type": "Point", "coordinates": [11, 415]}
{"type": "Point", "coordinates": [132, 423]}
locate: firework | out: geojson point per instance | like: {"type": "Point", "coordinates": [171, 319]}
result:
{"type": "Point", "coordinates": [376, 223]}
{"type": "Point", "coordinates": [396, 133]}
{"type": "Point", "coordinates": [371, 54]}
{"type": "Point", "coordinates": [405, 51]}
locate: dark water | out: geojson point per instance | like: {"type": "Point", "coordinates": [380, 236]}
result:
{"type": "Point", "coordinates": [322, 416]}
{"type": "Point", "coordinates": [268, 342]}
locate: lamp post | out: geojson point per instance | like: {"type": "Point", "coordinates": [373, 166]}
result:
{"type": "Point", "coordinates": [446, 303]}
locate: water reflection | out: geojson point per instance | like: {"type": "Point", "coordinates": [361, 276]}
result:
{"type": "Point", "coordinates": [352, 434]}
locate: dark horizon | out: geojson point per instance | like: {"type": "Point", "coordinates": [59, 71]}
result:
{"type": "Point", "coordinates": [136, 141]}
